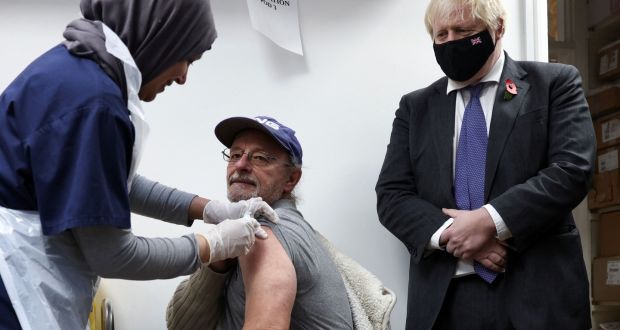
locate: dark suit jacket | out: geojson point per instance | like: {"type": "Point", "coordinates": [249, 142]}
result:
{"type": "Point", "coordinates": [539, 166]}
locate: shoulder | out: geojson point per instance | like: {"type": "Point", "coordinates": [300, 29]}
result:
{"type": "Point", "coordinates": [292, 226]}
{"type": "Point", "coordinates": [86, 77]}
{"type": "Point", "coordinates": [543, 71]}
{"type": "Point", "coordinates": [534, 66]}
{"type": "Point", "coordinates": [296, 236]}
{"type": "Point", "coordinates": [419, 98]}
{"type": "Point", "coordinates": [66, 87]}
{"type": "Point", "coordinates": [437, 87]}
{"type": "Point", "coordinates": [60, 76]}
{"type": "Point", "coordinates": [288, 214]}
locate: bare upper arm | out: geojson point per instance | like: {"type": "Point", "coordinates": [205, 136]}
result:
{"type": "Point", "coordinates": [270, 285]}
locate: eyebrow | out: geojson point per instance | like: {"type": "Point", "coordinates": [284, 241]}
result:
{"type": "Point", "coordinates": [254, 150]}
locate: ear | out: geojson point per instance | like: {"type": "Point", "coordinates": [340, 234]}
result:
{"type": "Point", "coordinates": [499, 33]}
{"type": "Point", "coordinates": [293, 179]}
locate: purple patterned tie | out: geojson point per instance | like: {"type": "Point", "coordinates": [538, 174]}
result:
{"type": "Point", "coordinates": [471, 162]}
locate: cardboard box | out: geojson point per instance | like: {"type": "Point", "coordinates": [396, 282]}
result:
{"type": "Point", "coordinates": [602, 316]}
{"type": "Point", "coordinates": [614, 325]}
{"type": "Point", "coordinates": [605, 190]}
{"type": "Point", "coordinates": [606, 279]}
{"type": "Point", "coordinates": [608, 61]}
{"type": "Point", "coordinates": [608, 159]}
{"type": "Point", "coordinates": [604, 101]}
{"type": "Point", "coordinates": [609, 234]}
{"type": "Point", "coordinates": [601, 10]}
{"type": "Point", "coordinates": [607, 131]}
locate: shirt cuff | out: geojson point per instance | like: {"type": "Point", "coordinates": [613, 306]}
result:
{"type": "Point", "coordinates": [503, 233]}
{"type": "Point", "coordinates": [434, 242]}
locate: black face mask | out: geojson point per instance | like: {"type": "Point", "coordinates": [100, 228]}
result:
{"type": "Point", "coordinates": [462, 59]}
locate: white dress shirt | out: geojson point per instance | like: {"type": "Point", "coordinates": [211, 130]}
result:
{"type": "Point", "coordinates": [487, 99]}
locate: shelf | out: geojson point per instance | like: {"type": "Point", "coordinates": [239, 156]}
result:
{"type": "Point", "coordinates": [606, 303]}
{"type": "Point", "coordinates": [611, 23]}
{"type": "Point", "coordinates": [606, 209]}
{"type": "Point", "coordinates": [561, 44]}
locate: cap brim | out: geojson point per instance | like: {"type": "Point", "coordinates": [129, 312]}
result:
{"type": "Point", "coordinates": [227, 129]}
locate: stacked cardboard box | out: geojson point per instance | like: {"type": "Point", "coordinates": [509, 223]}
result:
{"type": "Point", "coordinates": [606, 186]}
{"type": "Point", "coordinates": [604, 100]}
{"type": "Point", "coordinates": [601, 10]}
{"type": "Point", "coordinates": [606, 279]}
{"type": "Point", "coordinates": [605, 194]}
{"type": "Point", "coordinates": [609, 66]}
{"type": "Point", "coordinates": [606, 267]}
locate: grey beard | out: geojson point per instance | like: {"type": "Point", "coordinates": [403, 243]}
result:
{"type": "Point", "coordinates": [241, 197]}
{"type": "Point", "coordinates": [235, 196]}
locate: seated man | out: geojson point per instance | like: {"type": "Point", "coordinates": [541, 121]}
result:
{"type": "Point", "coordinates": [287, 281]}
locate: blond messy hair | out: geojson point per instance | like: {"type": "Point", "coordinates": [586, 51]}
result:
{"type": "Point", "coordinates": [491, 12]}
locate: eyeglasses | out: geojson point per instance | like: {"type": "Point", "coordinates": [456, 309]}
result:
{"type": "Point", "coordinates": [256, 158]}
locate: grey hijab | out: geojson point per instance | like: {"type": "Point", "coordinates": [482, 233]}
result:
{"type": "Point", "coordinates": [158, 33]}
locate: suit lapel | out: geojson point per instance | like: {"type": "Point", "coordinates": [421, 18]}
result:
{"type": "Point", "coordinates": [504, 115]}
{"type": "Point", "coordinates": [442, 107]}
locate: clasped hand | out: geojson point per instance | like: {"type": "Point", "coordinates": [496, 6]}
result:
{"type": "Point", "coordinates": [472, 237]}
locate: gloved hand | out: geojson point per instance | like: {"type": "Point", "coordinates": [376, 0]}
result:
{"type": "Point", "coordinates": [232, 238]}
{"type": "Point", "coordinates": [218, 211]}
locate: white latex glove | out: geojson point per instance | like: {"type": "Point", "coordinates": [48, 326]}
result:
{"type": "Point", "coordinates": [232, 238]}
{"type": "Point", "coordinates": [218, 211]}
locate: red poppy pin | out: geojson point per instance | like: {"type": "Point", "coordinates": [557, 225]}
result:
{"type": "Point", "coordinates": [511, 90]}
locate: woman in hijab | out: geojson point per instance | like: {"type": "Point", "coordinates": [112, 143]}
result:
{"type": "Point", "coordinates": [71, 131]}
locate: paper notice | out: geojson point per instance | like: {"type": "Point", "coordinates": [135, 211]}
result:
{"type": "Point", "coordinates": [613, 273]}
{"type": "Point", "coordinates": [278, 20]}
{"type": "Point", "coordinates": [610, 130]}
{"type": "Point", "coordinates": [608, 161]}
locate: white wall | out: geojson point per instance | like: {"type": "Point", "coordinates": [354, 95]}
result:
{"type": "Point", "coordinates": [361, 56]}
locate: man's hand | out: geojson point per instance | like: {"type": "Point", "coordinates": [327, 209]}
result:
{"type": "Point", "coordinates": [493, 256]}
{"type": "Point", "coordinates": [218, 211]}
{"type": "Point", "coordinates": [470, 232]}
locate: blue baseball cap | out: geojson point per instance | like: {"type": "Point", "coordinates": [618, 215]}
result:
{"type": "Point", "coordinates": [227, 129]}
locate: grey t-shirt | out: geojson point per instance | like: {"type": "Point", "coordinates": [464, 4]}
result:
{"type": "Point", "coordinates": [321, 301]}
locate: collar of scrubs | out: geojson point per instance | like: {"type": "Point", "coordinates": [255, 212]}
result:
{"type": "Point", "coordinates": [115, 46]}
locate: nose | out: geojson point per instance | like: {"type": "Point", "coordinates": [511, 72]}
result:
{"type": "Point", "coordinates": [451, 36]}
{"type": "Point", "coordinates": [243, 164]}
{"type": "Point", "coordinates": [183, 78]}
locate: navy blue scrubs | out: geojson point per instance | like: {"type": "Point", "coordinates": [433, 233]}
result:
{"type": "Point", "coordinates": [65, 148]}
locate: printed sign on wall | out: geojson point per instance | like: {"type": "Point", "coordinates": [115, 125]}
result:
{"type": "Point", "coordinates": [278, 20]}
